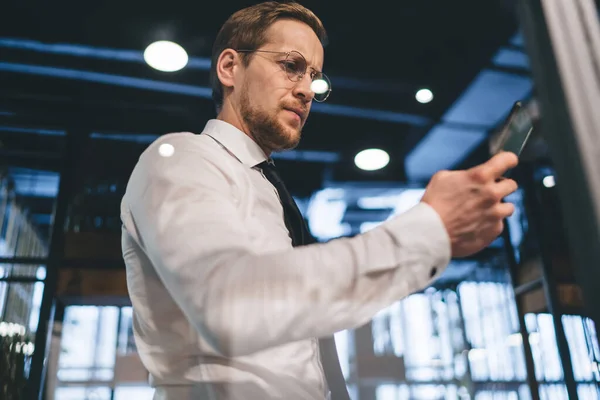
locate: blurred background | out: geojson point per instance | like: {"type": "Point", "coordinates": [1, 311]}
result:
{"type": "Point", "coordinates": [417, 87]}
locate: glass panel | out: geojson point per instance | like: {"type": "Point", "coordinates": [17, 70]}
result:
{"type": "Point", "coordinates": [387, 392]}
{"type": "Point", "coordinates": [27, 198]}
{"type": "Point", "coordinates": [16, 349]}
{"type": "Point", "coordinates": [422, 342]}
{"type": "Point", "coordinates": [342, 347]}
{"type": "Point", "coordinates": [443, 335]}
{"type": "Point", "coordinates": [133, 392]}
{"type": "Point", "coordinates": [496, 395]}
{"type": "Point", "coordinates": [20, 301]}
{"type": "Point", "coordinates": [543, 346]}
{"type": "Point", "coordinates": [91, 338]}
{"type": "Point", "coordinates": [19, 314]}
{"type": "Point", "coordinates": [496, 353]}
{"type": "Point", "coordinates": [553, 392]}
{"type": "Point", "coordinates": [588, 392]}
{"type": "Point", "coordinates": [88, 345]}
{"type": "Point", "coordinates": [126, 339]}
{"type": "Point", "coordinates": [82, 393]}
{"type": "Point", "coordinates": [416, 392]}
{"type": "Point", "coordinates": [386, 331]}
{"type": "Point", "coordinates": [583, 345]}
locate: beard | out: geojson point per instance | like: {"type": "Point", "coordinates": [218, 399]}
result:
{"type": "Point", "coordinates": [266, 130]}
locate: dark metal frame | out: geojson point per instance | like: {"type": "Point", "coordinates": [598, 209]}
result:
{"type": "Point", "coordinates": [35, 387]}
{"type": "Point", "coordinates": [513, 267]}
{"type": "Point", "coordinates": [562, 39]}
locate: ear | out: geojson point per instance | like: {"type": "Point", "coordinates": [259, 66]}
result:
{"type": "Point", "coordinates": [226, 67]}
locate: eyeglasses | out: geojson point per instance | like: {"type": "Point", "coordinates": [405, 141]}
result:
{"type": "Point", "coordinates": [296, 67]}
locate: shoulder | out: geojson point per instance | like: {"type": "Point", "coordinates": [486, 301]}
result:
{"type": "Point", "coordinates": [180, 143]}
{"type": "Point", "coordinates": [183, 159]}
{"type": "Point", "coordinates": [182, 150]}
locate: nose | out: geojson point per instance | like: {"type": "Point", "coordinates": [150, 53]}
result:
{"type": "Point", "coordinates": [302, 89]}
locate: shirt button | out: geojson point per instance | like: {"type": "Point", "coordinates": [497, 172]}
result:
{"type": "Point", "coordinates": [432, 272]}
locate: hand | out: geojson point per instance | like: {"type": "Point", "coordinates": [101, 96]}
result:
{"type": "Point", "coordinates": [470, 202]}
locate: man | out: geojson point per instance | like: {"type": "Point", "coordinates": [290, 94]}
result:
{"type": "Point", "coordinates": [229, 301]}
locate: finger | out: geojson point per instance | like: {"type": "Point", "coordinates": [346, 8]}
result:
{"type": "Point", "coordinates": [495, 167]}
{"type": "Point", "coordinates": [504, 187]}
{"type": "Point", "coordinates": [503, 210]}
{"type": "Point", "coordinates": [498, 228]}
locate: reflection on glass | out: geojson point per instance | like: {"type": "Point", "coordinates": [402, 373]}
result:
{"type": "Point", "coordinates": [133, 392]}
{"type": "Point", "coordinates": [387, 330]}
{"type": "Point", "coordinates": [416, 392]}
{"type": "Point", "coordinates": [82, 393]}
{"type": "Point", "coordinates": [553, 392]}
{"type": "Point", "coordinates": [93, 341]}
{"type": "Point", "coordinates": [19, 301]}
{"type": "Point", "coordinates": [498, 395]}
{"type": "Point", "coordinates": [126, 338]}
{"type": "Point", "coordinates": [467, 342]}
{"type": "Point", "coordinates": [26, 206]}
{"type": "Point", "coordinates": [88, 345]}
{"type": "Point", "coordinates": [583, 346]}
{"type": "Point", "coordinates": [460, 343]}
{"type": "Point", "coordinates": [343, 348]}
{"type": "Point", "coordinates": [27, 199]}
{"type": "Point", "coordinates": [588, 392]}
{"type": "Point", "coordinates": [543, 346]}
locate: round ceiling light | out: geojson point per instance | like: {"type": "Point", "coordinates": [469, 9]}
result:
{"type": "Point", "coordinates": [549, 181]}
{"type": "Point", "coordinates": [371, 159]}
{"type": "Point", "coordinates": [166, 56]}
{"type": "Point", "coordinates": [424, 96]}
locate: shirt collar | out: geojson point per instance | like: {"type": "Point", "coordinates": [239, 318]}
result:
{"type": "Point", "coordinates": [240, 145]}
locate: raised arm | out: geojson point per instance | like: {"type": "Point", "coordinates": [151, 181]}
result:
{"type": "Point", "coordinates": [182, 213]}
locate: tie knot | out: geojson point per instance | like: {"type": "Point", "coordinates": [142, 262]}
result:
{"type": "Point", "coordinates": [266, 164]}
{"type": "Point", "coordinates": [270, 171]}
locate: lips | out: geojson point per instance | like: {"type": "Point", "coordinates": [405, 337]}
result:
{"type": "Point", "coordinates": [298, 111]}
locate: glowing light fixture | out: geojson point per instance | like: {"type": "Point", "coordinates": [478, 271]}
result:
{"type": "Point", "coordinates": [166, 56]}
{"type": "Point", "coordinates": [424, 96]}
{"type": "Point", "coordinates": [548, 181]}
{"type": "Point", "coordinates": [371, 159]}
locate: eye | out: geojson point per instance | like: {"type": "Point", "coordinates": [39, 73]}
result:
{"type": "Point", "coordinates": [291, 65]}
{"type": "Point", "coordinates": [295, 66]}
{"type": "Point", "coordinates": [288, 65]}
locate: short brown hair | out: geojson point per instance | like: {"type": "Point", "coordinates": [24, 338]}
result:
{"type": "Point", "coordinates": [246, 29]}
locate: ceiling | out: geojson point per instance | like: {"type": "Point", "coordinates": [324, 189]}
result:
{"type": "Point", "coordinates": [377, 57]}
{"type": "Point", "coordinates": [72, 65]}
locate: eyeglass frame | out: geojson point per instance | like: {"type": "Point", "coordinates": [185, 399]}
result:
{"type": "Point", "coordinates": [300, 77]}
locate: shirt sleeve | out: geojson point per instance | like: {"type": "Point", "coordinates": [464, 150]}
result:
{"type": "Point", "coordinates": [181, 211]}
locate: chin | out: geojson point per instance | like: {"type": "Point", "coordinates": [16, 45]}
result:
{"type": "Point", "coordinates": [290, 130]}
{"type": "Point", "coordinates": [290, 137]}
{"type": "Point", "coordinates": [293, 134]}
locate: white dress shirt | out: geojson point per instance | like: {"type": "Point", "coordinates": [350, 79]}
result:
{"type": "Point", "coordinates": [224, 306]}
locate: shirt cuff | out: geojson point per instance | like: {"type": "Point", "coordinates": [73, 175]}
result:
{"type": "Point", "coordinates": [420, 235]}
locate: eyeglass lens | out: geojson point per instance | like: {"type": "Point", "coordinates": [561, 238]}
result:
{"type": "Point", "coordinates": [296, 67]}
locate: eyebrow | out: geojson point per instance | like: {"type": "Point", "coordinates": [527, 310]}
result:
{"type": "Point", "coordinates": [309, 66]}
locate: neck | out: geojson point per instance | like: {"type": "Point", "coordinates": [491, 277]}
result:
{"type": "Point", "coordinates": [232, 116]}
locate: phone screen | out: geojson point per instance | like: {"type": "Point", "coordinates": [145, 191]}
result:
{"type": "Point", "coordinates": [515, 132]}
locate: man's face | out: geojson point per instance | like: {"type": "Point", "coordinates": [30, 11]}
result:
{"type": "Point", "coordinates": [273, 108]}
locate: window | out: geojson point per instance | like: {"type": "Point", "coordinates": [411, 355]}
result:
{"type": "Point", "coordinates": [97, 343]}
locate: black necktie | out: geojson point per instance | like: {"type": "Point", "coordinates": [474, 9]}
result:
{"type": "Point", "coordinates": [301, 236]}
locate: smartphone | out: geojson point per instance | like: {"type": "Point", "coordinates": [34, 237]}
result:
{"type": "Point", "coordinates": [516, 130]}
